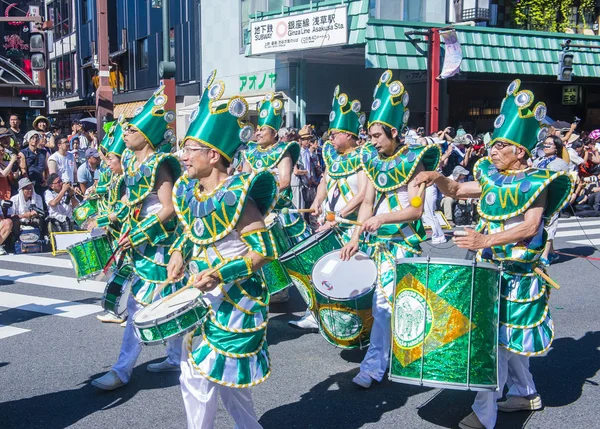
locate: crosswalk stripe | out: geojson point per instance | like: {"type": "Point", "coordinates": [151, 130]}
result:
{"type": "Point", "coordinates": [577, 233]}
{"type": "Point", "coordinates": [50, 280]}
{"type": "Point", "coordinates": [38, 260]}
{"type": "Point", "coordinates": [9, 331]}
{"type": "Point", "coordinates": [562, 224]}
{"type": "Point", "coordinates": [69, 309]}
{"type": "Point", "coordinates": [587, 242]}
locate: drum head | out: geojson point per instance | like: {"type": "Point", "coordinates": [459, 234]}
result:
{"type": "Point", "coordinates": [161, 309]}
{"type": "Point", "coordinates": [306, 244]}
{"type": "Point", "coordinates": [339, 279]}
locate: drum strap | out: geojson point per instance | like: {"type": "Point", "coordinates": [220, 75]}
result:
{"type": "Point", "coordinates": [378, 204]}
{"type": "Point", "coordinates": [336, 196]}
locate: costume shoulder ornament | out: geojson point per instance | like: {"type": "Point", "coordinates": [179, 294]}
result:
{"type": "Point", "coordinates": [509, 193]}
{"type": "Point", "coordinates": [339, 166]}
{"type": "Point", "coordinates": [208, 217]}
{"type": "Point", "coordinates": [259, 158]}
{"type": "Point", "coordinates": [139, 181]}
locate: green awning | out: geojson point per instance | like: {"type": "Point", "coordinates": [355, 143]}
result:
{"type": "Point", "coordinates": [485, 50]}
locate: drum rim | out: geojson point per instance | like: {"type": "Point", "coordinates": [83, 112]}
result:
{"type": "Point", "coordinates": [169, 317]}
{"type": "Point", "coordinates": [448, 261]}
{"type": "Point", "coordinates": [312, 276]}
{"type": "Point", "coordinates": [290, 254]}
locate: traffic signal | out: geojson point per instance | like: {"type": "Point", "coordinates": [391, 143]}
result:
{"type": "Point", "coordinates": [38, 51]}
{"type": "Point", "coordinates": [565, 66]}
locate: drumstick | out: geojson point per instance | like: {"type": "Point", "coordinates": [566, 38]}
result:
{"type": "Point", "coordinates": [546, 277]}
{"type": "Point", "coordinates": [285, 210]}
{"type": "Point", "coordinates": [331, 217]}
{"type": "Point", "coordinates": [417, 201]}
{"type": "Point", "coordinates": [113, 257]}
{"type": "Point", "coordinates": [189, 285]}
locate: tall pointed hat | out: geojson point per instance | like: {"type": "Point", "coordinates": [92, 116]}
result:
{"type": "Point", "coordinates": [113, 139]}
{"type": "Point", "coordinates": [270, 112]}
{"type": "Point", "coordinates": [345, 116]}
{"type": "Point", "coordinates": [390, 101]}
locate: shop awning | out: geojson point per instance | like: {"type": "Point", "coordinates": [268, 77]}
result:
{"type": "Point", "coordinates": [485, 50]}
{"type": "Point", "coordinates": [127, 109]}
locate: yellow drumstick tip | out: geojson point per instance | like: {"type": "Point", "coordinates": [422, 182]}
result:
{"type": "Point", "coordinates": [416, 201]}
{"type": "Point", "coordinates": [285, 210]}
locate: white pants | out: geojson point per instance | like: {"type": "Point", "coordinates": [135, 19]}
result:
{"type": "Point", "coordinates": [201, 400]}
{"type": "Point", "coordinates": [429, 217]}
{"type": "Point", "coordinates": [513, 370]}
{"type": "Point", "coordinates": [131, 346]}
{"type": "Point", "coordinates": [377, 358]}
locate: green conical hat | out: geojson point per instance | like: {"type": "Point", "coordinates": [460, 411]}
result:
{"type": "Point", "coordinates": [113, 139]}
{"type": "Point", "coordinates": [156, 123]}
{"type": "Point", "coordinates": [345, 116]}
{"type": "Point", "coordinates": [517, 124]}
{"type": "Point", "coordinates": [218, 125]}
{"type": "Point", "coordinates": [389, 103]}
{"type": "Point", "coordinates": [270, 112]}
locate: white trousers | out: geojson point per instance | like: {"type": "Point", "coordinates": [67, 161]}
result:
{"type": "Point", "coordinates": [429, 217]}
{"type": "Point", "coordinates": [513, 371]}
{"type": "Point", "coordinates": [201, 400]}
{"type": "Point", "coordinates": [377, 358]}
{"type": "Point", "coordinates": [131, 346]}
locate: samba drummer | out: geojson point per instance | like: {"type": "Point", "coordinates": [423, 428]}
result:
{"type": "Point", "coordinates": [224, 243]}
{"type": "Point", "coordinates": [342, 187]}
{"type": "Point", "coordinates": [516, 201]}
{"type": "Point", "coordinates": [393, 223]}
{"type": "Point", "coordinates": [149, 229]}
{"type": "Point", "coordinates": [281, 157]}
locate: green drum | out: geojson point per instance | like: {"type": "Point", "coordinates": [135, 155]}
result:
{"type": "Point", "coordinates": [117, 291]}
{"type": "Point", "coordinates": [344, 293]}
{"type": "Point", "coordinates": [170, 317]}
{"type": "Point", "coordinates": [299, 261]}
{"type": "Point", "coordinates": [85, 212]}
{"type": "Point", "coordinates": [274, 276]}
{"type": "Point", "coordinates": [90, 256]}
{"type": "Point", "coordinates": [445, 323]}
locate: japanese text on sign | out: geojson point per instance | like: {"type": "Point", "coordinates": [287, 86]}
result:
{"type": "Point", "coordinates": [570, 95]}
{"type": "Point", "coordinates": [257, 82]}
{"type": "Point", "coordinates": [306, 31]}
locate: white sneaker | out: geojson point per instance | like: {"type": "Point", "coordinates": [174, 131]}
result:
{"type": "Point", "coordinates": [109, 318]}
{"type": "Point", "coordinates": [441, 240]}
{"type": "Point", "coordinates": [3, 251]}
{"type": "Point", "coordinates": [362, 379]}
{"type": "Point", "coordinates": [471, 422]}
{"type": "Point", "coordinates": [163, 366]}
{"type": "Point", "coordinates": [109, 381]}
{"type": "Point", "coordinates": [307, 322]}
{"type": "Point", "coordinates": [520, 403]}
{"type": "Point", "coordinates": [123, 324]}
{"type": "Point", "coordinates": [280, 297]}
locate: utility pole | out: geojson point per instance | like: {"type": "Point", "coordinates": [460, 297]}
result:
{"type": "Point", "coordinates": [104, 93]}
{"type": "Point", "coordinates": [167, 68]}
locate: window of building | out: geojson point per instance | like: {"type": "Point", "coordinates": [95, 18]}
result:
{"type": "Point", "coordinates": [142, 53]}
{"type": "Point", "coordinates": [59, 11]}
{"type": "Point", "coordinates": [86, 12]}
{"type": "Point", "coordinates": [61, 76]}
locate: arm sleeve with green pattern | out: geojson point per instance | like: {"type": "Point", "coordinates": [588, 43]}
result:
{"type": "Point", "coordinates": [150, 230]}
{"type": "Point", "coordinates": [262, 242]}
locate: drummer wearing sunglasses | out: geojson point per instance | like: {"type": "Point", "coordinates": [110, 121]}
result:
{"type": "Point", "coordinates": [223, 244]}
{"type": "Point", "coordinates": [515, 203]}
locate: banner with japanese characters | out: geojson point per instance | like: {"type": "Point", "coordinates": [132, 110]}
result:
{"type": "Point", "coordinates": [306, 31]}
{"type": "Point", "coordinates": [453, 56]}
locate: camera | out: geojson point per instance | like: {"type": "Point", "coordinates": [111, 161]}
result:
{"type": "Point", "coordinates": [5, 204]}
{"type": "Point", "coordinates": [576, 120]}
{"type": "Point", "coordinates": [40, 212]}
{"type": "Point", "coordinates": [591, 179]}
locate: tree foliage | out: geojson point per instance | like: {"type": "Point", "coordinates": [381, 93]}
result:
{"type": "Point", "coordinates": [548, 15]}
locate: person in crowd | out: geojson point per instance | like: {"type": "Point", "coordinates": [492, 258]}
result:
{"type": "Point", "coordinates": [33, 161]}
{"type": "Point", "coordinates": [6, 226]}
{"type": "Point", "coordinates": [92, 137]}
{"type": "Point", "coordinates": [9, 142]}
{"type": "Point", "coordinates": [78, 131]}
{"type": "Point", "coordinates": [88, 174]}
{"type": "Point", "coordinates": [60, 200]}
{"type": "Point", "coordinates": [42, 125]}
{"type": "Point", "coordinates": [6, 169]}
{"type": "Point", "coordinates": [18, 134]}
{"type": "Point", "coordinates": [459, 174]}
{"type": "Point", "coordinates": [77, 152]}
{"type": "Point", "coordinates": [27, 207]}
{"type": "Point", "coordinates": [62, 161]}
{"type": "Point", "coordinates": [309, 180]}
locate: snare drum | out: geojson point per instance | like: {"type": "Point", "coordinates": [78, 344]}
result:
{"type": "Point", "coordinates": [117, 291]}
{"type": "Point", "coordinates": [344, 294]}
{"type": "Point", "coordinates": [90, 256]}
{"type": "Point", "coordinates": [274, 276]}
{"type": "Point", "coordinates": [445, 324]}
{"type": "Point", "coordinates": [165, 319]}
{"type": "Point", "coordinates": [299, 260]}
{"type": "Point", "coordinates": [85, 211]}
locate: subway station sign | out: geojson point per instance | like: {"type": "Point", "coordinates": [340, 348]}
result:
{"type": "Point", "coordinates": [306, 31]}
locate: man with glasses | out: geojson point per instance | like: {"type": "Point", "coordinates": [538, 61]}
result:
{"type": "Point", "coordinates": [62, 162]}
{"type": "Point", "coordinates": [516, 201]}
{"type": "Point", "coordinates": [60, 199]}
{"type": "Point", "coordinates": [148, 230]}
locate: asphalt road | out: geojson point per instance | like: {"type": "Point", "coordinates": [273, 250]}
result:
{"type": "Point", "coordinates": [52, 346]}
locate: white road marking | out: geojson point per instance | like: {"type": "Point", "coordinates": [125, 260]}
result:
{"type": "Point", "coordinates": [577, 223]}
{"type": "Point", "coordinates": [50, 280]}
{"type": "Point", "coordinates": [69, 309]}
{"type": "Point", "coordinates": [46, 261]}
{"type": "Point", "coordinates": [577, 232]}
{"type": "Point", "coordinates": [9, 331]}
{"type": "Point", "coordinates": [592, 242]}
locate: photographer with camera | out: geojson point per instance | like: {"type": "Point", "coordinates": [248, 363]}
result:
{"type": "Point", "coordinates": [60, 199]}
{"type": "Point", "coordinates": [27, 210]}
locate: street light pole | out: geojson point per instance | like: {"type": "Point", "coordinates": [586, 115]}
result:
{"type": "Point", "coordinates": [104, 93]}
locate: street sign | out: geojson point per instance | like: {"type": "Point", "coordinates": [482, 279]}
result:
{"type": "Point", "coordinates": [570, 95]}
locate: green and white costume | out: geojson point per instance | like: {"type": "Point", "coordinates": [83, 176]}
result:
{"type": "Point", "coordinates": [230, 347]}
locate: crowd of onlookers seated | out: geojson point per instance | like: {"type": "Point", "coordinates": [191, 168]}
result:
{"type": "Point", "coordinates": [44, 174]}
